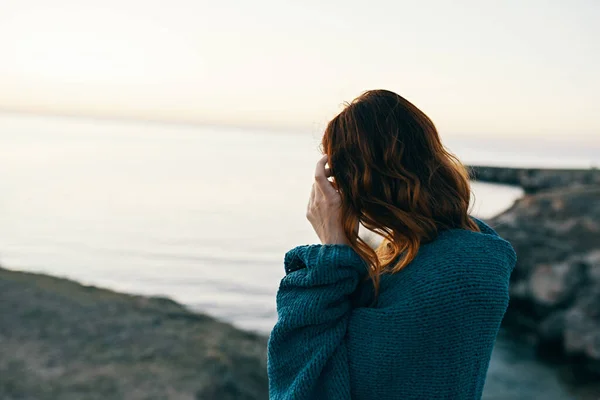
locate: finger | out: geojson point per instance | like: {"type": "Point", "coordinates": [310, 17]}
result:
{"type": "Point", "coordinates": [321, 179]}
{"type": "Point", "coordinates": [331, 179]}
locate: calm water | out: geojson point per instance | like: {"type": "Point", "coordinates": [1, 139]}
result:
{"type": "Point", "coordinates": [203, 215]}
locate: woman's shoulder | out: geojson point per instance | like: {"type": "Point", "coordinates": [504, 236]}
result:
{"type": "Point", "coordinates": [484, 227]}
{"type": "Point", "coordinates": [470, 246]}
{"type": "Point", "coordinates": [458, 261]}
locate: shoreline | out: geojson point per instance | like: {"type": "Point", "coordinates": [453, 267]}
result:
{"type": "Point", "coordinates": [535, 180]}
{"type": "Point", "coordinates": [63, 340]}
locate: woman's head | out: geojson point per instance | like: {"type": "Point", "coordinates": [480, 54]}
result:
{"type": "Point", "coordinates": [395, 177]}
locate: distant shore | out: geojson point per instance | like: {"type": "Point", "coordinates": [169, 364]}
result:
{"type": "Point", "coordinates": [534, 180]}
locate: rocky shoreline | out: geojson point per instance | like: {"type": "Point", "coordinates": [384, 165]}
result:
{"type": "Point", "coordinates": [534, 180]}
{"type": "Point", "coordinates": [63, 340]}
{"type": "Point", "coordinates": [555, 288]}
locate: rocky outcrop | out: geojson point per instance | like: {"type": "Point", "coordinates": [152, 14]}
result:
{"type": "Point", "coordinates": [534, 180]}
{"type": "Point", "coordinates": [62, 340]}
{"type": "Point", "coordinates": [555, 287]}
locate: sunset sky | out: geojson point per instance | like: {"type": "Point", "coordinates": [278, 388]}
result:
{"type": "Point", "coordinates": [476, 67]}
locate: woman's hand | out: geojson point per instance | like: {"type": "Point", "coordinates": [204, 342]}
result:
{"type": "Point", "coordinates": [324, 208]}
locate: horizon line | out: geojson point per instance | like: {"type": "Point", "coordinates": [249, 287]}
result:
{"type": "Point", "coordinates": [219, 124]}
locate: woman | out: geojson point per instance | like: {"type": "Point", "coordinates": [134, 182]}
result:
{"type": "Point", "coordinates": [415, 318]}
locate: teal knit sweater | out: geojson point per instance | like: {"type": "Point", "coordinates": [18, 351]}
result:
{"type": "Point", "coordinates": [429, 336]}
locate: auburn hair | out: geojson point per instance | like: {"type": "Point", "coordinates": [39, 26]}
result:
{"type": "Point", "coordinates": [395, 177]}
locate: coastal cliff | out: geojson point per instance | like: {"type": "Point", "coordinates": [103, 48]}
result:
{"type": "Point", "coordinates": [62, 340]}
{"type": "Point", "coordinates": [555, 287]}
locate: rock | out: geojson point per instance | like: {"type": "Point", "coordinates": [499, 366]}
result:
{"type": "Point", "coordinates": [62, 340]}
{"type": "Point", "coordinates": [555, 287]}
{"type": "Point", "coordinates": [551, 329]}
{"type": "Point", "coordinates": [582, 323]}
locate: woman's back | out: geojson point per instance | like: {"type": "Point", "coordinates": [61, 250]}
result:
{"type": "Point", "coordinates": [432, 331]}
{"type": "Point", "coordinates": [414, 318]}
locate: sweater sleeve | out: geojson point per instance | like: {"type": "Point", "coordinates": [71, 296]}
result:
{"type": "Point", "coordinates": [307, 357]}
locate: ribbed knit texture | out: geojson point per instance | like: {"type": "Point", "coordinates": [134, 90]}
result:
{"type": "Point", "coordinates": [430, 334]}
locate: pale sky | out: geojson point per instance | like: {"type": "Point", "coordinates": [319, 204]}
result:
{"type": "Point", "coordinates": [475, 67]}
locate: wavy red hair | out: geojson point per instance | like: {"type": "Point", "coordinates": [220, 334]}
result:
{"type": "Point", "coordinates": [395, 178]}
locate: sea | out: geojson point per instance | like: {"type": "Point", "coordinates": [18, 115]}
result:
{"type": "Point", "coordinates": [204, 214]}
